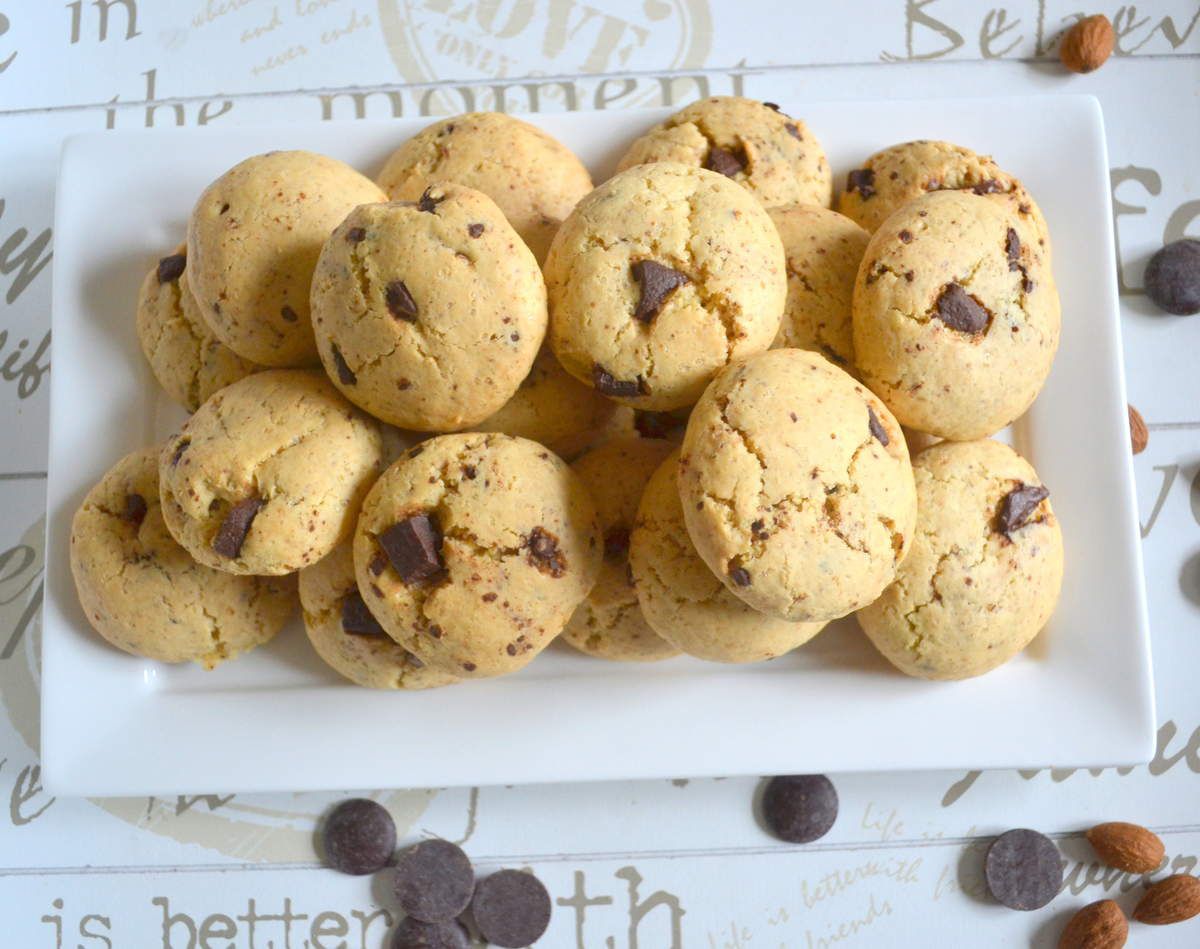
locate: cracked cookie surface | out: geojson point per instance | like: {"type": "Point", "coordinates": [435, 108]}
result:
{"type": "Point", "coordinates": [609, 622]}
{"type": "Point", "coordinates": [253, 241]}
{"type": "Point", "coordinates": [772, 155]}
{"type": "Point", "coordinates": [428, 315]}
{"type": "Point", "coordinates": [683, 601]}
{"type": "Point", "coordinates": [891, 178]}
{"type": "Point", "coordinates": [474, 549]}
{"type": "Point", "coordinates": [188, 361]}
{"type": "Point", "coordinates": [533, 177]}
{"type": "Point", "coordinates": [956, 319]}
{"type": "Point", "coordinates": [346, 634]}
{"type": "Point", "coordinates": [796, 486]}
{"type": "Point", "coordinates": [268, 475]}
{"type": "Point", "coordinates": [659, 278]}
{"type": "Point", "coordinates": [823, 250]}
{"type": "Point", "coordinates": [973, 591]}
{"type": "Point", "coordinates": [145, 594]}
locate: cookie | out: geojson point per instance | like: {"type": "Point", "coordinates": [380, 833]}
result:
{"type": "Point", "coordinates": [253, 241]}
{"type": "Point", "coordinates": [770, 154]}
{"type": "Point", "coordinates": [893, 177]}
{"type": "Point", "coordinates": [145, 594]}
{"type": "Point", "coordinates": [474, 549]}
{"type": "Point", "coordinates": [796, 486]}
{"type": "Point", "coordinates": [682, 599]}
{"type": "Point", "coordinates": [956, 319]}
{"type": "Point", "coordinates": [186, 359]}
{"type": "Point", "coordinates": [553, 407]}
{"type": "Point", "coordinates": [823, 250]}
{"type": "Point", "coordinates": [534, 178]}
{"type": "Point", "coordinates": [267, 476]}
{"type": "Point", "coordinates": [609, 623]}
{"type": "Point", "coordinates": [985, 568]}
{"type": "Point", "coordinates": [346, 634]}
{"type": "Point", "coordinates": [428, 315]}
{"type": "Point", "coordinates": [658, 279]}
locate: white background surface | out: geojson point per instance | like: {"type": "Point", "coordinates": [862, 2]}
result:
{"type": "Point", "coordinates": [658, 864]}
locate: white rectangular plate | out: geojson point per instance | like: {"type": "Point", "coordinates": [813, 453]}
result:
{"type": "Point", "coordinates": [277, 719]}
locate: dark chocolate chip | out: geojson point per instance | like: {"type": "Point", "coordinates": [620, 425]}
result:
{"type": "Point", "coordinates": [658, 282]}
{"type": "Point", "coordinates": [905, 236]}
{"type": "Point", "coordinates": [607, 384]}
{"type": "Point", "coordinates": [793, 131]}
{"type": "Point", "coordinates": [434, 880]}
{"type": "Point", "coordinates": [356, 235]}
{"type": "Point", "coordinates": [990, 186]}
{"type": "Point", "coordinates": [544, 552]}
{"type": "Point", "coordinates": [289, 314]}
{"type": "Point", "coordinates": [616, 542]}
{"type": "Point", "coordinates": [233, 530]}
{"type": "Point", "coordinates": [773, 106]}
{"type": "Point", "coordinates": [135, 509]}
{"type": "Point", "coordinates": [400, 302]}
{"type": "Point", "coordinates": [345, 374]}
{"type": "Point", "coordinates": [759, 529]}
{"type": "Point", "coordinates": [414, 547]}
{"type": "Point", "coordinates": [654, 424]}
{"type": "Point", "coordinates": [179, 450]}
{"type": "Point", "coordinates": [961, 311]}
{"type": "Point", "coordinates": [800, 808]}
{"type": "Point", "coordinates": [725, 161]}
{"type": "Point", "coordinates": [357, 619]}
{"type": "Point", "coordinates": [1018, 505]}
{"type": "Point", "coordinates": [358, 837]}
{"type": "Point", "coordinates": [1023, 869]}
{"type": "Point", "coordinates": [224, 207]}
{"type": "Point", "coordinates": [170, 268]}
{"type": "Point", "coordinates": [876, 427]}
{"type": "Point", "coordinates": [469, 472]}
{"type": "Point", "coordinates": [378, 564]}
{"type": "Point", "coordinates": [434, 630]}
{"type": "Point", "coordinates": [739, 575]}
{"type": "Point", "coordinates": [1012, 249]}
{"type": "Point", "coordinates": [861, 180]}
{"type": "Point", "coordinates": [474, 229]}
{"type": "Point", "coordinates": [414, 934]}
{"type": "Point", "coordinates": [489, 598]}
{"type": "Point", "coordinates": [469, 666]}
{"type": "Point", "coordinates": [1173, 277]}
{"type": "Point", "coordinates": [511, 908]}
{"type": "Point", "coordinates": [428, 202]}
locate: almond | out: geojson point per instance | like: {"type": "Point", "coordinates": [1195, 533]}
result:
{"type": "Point", "coordinates": [1127, 846]}
{"type": "Point", "coordinates": [1169, 901]}
{"type": "Point", "coordinates": [1099, 925]}
{"type": "Point", "coordinates": [1088, 44]}
{"type": "Point", "coordinates": [1139, 435]}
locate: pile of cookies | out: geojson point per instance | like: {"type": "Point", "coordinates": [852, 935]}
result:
{"type": "Point", "coordinates": [479, 404]}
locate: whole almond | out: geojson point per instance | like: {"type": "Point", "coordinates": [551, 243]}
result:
{"type": "Point", "coordinates": [1169, 901]}
{"type": "Point", "coordinates": [1139, 435]}
{"type": "Point", "coordinates": [1099, 925]}
{"type": "Point", "coordinates": [1127, 847]}
{"type": "Point", "coordinates": [1088, 44]}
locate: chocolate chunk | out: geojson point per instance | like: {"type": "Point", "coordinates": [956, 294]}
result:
{"type": "Point", "coordinates": [1173, 277]}
{"type": "Point", "coordinates": [511, 909]}
{"type": "Point", "coordinates": [739, 575]}
{"type": "Point", "coordinates": [961, 311]}
{"type": "Point", "coordinates": [1012, 248]}
{"type": "Point", "coordinates": [800, 808]}
{"type": "Point", "coordinates": [357, 619]}
{"type": "Point", "coordinates": [356, 235]}
{"type": "Point", "coordinates": [861, 180]}
{"type": "Point", "coordinates": [773, 106]}
{"type": "Point", "coordinates": [544, 552]}
{"type": "Point", "coordinates": [414, 547]}
{"type": "Point", "coordinates": [345, 374]}
{"type": "Point", "coordinates": [657, 282]}
{"type": "Point", "coordinates": [905, 236]}
{"type": "Point", "coordinates": [469, 472]}
{"type": "Point", "coordinates": [378, 564]}
{"type": "Point", "coordinates": [1023, 869]}
{"type": "Point", "coordinates": [990, 186]}
{"type": "Point", "coordinates": [289, 314]}
{"type": "Point", "coordinates": [725, 161]}
{"type": "Point", "coordinates": [135, 509]}
{"type": "Point", "coordinates": [428, 202]}
{"type": "Point", "coordinates": [876, 427]}
{"type": "Point", "coordinates": [179, 450]}
{"type": "Point", "coordinates": [474, 229]}
{"type": "Point", "coordinates": [400, 302]}
{"type": "Point", "coordinates": [414, 934]}
{"type": "Point", "coordinates": [654, 424]}
{"type": "Point", "coordinates": [793, 131]}
{"type": "Point", "coordinates": [607, 384]}
{"type": "Point", "coordinates": [358, 837]}
{"type": "Point", "coordinates": [170, 268]}
{"type": "Point", "coordinates": [233, 530]}
{"type": "Point", "coordinates": [1017, 507]}
{"type": "Point", "coordinates": [434, 880]}
{"type": "Point", "coordinates": [616, 542]}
